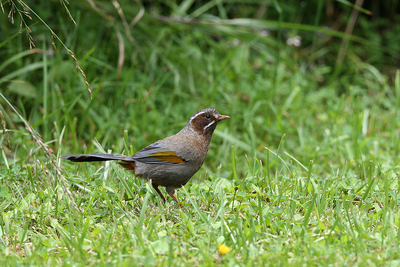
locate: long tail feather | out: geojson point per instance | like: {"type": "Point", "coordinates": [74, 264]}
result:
{"type": "Point", "coordinates": [95, 157]}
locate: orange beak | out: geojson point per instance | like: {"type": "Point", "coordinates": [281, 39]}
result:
{"type": "Point", "coordinates": [223, 117]}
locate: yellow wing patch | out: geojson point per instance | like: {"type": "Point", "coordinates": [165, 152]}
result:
{"type": "Point", "coordinates": [168, 156]}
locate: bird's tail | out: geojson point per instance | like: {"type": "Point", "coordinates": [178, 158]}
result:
{"type": "Point", "coordinates": [96, 157]}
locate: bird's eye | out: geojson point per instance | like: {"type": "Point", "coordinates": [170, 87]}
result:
{"type": "Point", "coordinates": [208, 116]}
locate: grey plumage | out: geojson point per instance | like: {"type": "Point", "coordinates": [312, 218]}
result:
{"type": "Point", "coordinates": [170, 162]}
{"type": "Point", "coordinates": [95, 157]}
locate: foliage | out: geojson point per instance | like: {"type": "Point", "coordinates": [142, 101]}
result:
{"type": "Point", "coordinates": [304, 173]}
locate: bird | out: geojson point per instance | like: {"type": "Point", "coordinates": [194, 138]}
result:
{"type": "Point", "coordinates": [172, 161]}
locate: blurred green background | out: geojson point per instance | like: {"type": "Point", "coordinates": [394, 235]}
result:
{"type": "Point", "coordinates": [313, 92]}
{"type": "Point", "coordinates": [273, 67]}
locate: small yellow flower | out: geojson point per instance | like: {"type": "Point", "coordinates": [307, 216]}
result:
{"type": "Point", "coordinates": [223, 249]}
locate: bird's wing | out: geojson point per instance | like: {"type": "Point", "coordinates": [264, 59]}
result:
{"type": "Point", "coordinates": [159, 154]}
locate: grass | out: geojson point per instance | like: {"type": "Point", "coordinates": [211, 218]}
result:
{"type": "Point", "coordinates": [304, 173]}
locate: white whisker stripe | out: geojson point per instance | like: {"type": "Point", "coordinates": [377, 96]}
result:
{"type": "Point", "coordinates": [208, 125]}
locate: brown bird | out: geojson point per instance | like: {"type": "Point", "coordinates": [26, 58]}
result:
{"type": "Point", "coordinates": [172, 161]}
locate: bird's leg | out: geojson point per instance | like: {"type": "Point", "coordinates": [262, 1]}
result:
{"type": "Point", "coordinates": [171, 191]}
{"type": "Point", "coordinates": [158, 191]}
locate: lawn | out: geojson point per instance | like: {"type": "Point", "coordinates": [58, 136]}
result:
{"type": "Point", "coordinates": [304, 173]}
